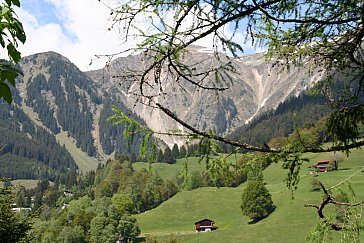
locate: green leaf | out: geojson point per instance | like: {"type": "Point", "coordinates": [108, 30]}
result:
{"type": "Point", "coordinates": [9, 73]}
{"type": "Point", "coordinates": [16, 2]}
{"type": "Point", "coordinates": [20, 34]}
{"type": "Point", "coordinates": [13, 53]}
{"type": "Point", "coordinates": [4, 10]}
{"type": "Point", "coordinates": [5, 92]}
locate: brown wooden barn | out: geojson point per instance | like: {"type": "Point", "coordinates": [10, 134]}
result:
{"type": "Point", "coordinates": [323, 165]}
{"type": "Point", "coordinates": [205, 225]}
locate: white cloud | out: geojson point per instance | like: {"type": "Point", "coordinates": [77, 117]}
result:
{"type": "Point", "coordinates": [81, 31]}
{"type": "Point", "coordinates": [190, 22]}
{"type": "Point", "coordinates": [81, 34]}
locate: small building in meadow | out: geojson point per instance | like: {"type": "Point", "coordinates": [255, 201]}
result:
{"type": "Point", "coordinates": [205, 225]}
{"type": "Point", "coordinates": [324, 165]}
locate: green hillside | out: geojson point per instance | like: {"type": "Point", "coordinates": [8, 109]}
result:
{"type": "Point", "coordinates": [168, 171]}
{"type": "Point", "coordinates": [290, 222]}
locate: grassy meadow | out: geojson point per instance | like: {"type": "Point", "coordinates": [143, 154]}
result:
{"type": "Point", "coordinates": [168, 171]}
{"type": "Point", "coordinates": [84, 162]}
{"type": "Point", "coordinates": [290, 222]}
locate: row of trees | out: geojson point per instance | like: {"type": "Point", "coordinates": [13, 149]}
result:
{"type": "Point", "coordinates": [145, 189]}
{"type": "Point", "coordinates": [85, 220]}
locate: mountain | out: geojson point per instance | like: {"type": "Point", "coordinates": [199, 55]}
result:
{"type": "Point", "coordinates": [58, 119]}
{"type": "Point", "coordinates": [29, 151]}
{"type": "Point", "coordinates": [302, 111]}
{"type": "Point", "coordinates": [59, 115]}
{"type": "Point", "coordinates": [258, 86]}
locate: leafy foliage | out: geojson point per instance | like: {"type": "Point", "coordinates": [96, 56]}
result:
{"type": "Point", "coordinates": [132, 128]}
{"type": "Point", "coordinates": [145, 190]}
{"type": "Point", "coordinates": [84, 221]}
{"type": "Point", "coordinates": [347, 216]}
{"type": "Point", "coordinates": [291, 162]}
{"type": "Point", "coordinates": [11, 32]}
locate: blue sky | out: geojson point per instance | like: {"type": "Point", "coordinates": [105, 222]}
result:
{"type": "Point", "coordinates": [77, 29]}
{"type": "Point", "coordinates": [47, 13]}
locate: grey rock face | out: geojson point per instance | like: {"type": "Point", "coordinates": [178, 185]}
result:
{"type": "Point", "coordinates": [256, 86]}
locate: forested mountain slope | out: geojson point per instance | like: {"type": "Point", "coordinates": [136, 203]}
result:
{"type": "Point", "coordinates": [55, 98]}
{"type": "Point", "coordinates": [303, 111]}
{"type": "Point", "coordinates": [29, 151]}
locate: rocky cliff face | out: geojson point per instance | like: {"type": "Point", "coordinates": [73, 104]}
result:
{"type": "Point", "coordinates": [257, 86]}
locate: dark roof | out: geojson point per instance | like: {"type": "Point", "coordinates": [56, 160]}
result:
{"type": "Point", "coordinates": [204, 220]}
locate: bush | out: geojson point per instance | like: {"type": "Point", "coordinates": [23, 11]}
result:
{"type": "Point", "coordinates": [316, 186]}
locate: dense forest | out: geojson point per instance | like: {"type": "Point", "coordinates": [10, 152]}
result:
{"type": "Point", "coordinates": [303, 111]}
{"type": "Point", "coordinates": [94, 207]}
{"type": "Point", "coordinates": [29, 151]}
{"type": "Point", "coordinates": [67, 94]}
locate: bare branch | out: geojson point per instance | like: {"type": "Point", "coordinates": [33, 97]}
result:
{"type": "Point", "coordinates": [328, 199]}
{"type": "Point", "coordinates": [249, 146]}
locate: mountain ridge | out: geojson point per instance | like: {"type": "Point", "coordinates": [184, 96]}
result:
{"type": "Point", "coordinates": [257, 86]}
{"type": "Point", "coordinates": [73, 106]}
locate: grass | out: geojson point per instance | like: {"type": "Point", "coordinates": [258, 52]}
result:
{"type": "Point", "coordinates": [26, 183]}
{"type": "Point", "coordinates": [84, 162]}
{"type": "Point", "coordinates": [290, 222]}
{"type": "Point", "coordinates": [169, 171]}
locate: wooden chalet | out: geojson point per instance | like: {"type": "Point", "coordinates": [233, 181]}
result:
{"type": "Point", "coordinates": [323, 165]}
{"type": "Point", "coordinates": [205, 225]}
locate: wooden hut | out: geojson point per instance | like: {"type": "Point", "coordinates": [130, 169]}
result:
{"type": "Point", "coordinates": [205, 225]}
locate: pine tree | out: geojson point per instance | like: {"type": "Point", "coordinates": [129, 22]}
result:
{"type": "Point", "coordinates": [175, 151]}
{"type": "Point", "coordinates": [182, 151]}
{"type": "Point", "coordinates": [160, 156]}
{"type": "Point", "coordinates": [168, 156]}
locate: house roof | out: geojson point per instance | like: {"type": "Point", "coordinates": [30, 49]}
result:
{"type": "Point", "coordinates": [204, 220]}
{"type": "Point", "coordinates": [324, 161]}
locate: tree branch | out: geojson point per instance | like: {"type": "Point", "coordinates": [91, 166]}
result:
{"type": "Point", "coordinates": [329, 21]}
{"type": "Point", "coordinates": [328, 199]}
{"type": "Point", "coordinates": [249, 146]}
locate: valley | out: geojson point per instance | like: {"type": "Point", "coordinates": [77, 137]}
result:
{"type": "Point", "coordinates": [290, 222]}
{"type": "Point", "coordinates": [209, 121]}
{"type": "Point", "coordinates": [74, 106]}
{"type": "Point", "coordinates": [73, 110]}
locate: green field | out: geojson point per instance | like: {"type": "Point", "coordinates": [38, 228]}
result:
{"type": "Point", "coordinates": [290, 222]}
{"type": "Point", "coordinates": [168, 171]}
{"type": "Point", "coordinates": [26, 183]}
{"type": "Point", "coordinates": [83, 161]}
